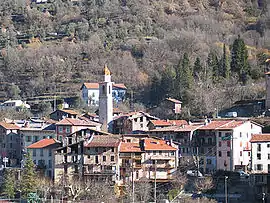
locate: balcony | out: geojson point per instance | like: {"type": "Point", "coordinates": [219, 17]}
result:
{"type": "Point", "coordinates": [130, 155]}
{"type": "Point", "coordinates": [162, 157]}
{"type": "Point", "coordinates": [99, 173]}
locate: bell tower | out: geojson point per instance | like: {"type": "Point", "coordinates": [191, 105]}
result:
{"type": "Point", "coordinates": [105, 100]}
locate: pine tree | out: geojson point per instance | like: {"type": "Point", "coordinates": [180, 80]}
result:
{"type": "Point", "coordinates": [197, 69]}
{"type": "Point", "coordinates": [225, 68]}
{"type": "Point", "coordinates": [213, 67]}
{"type": "Point", "coordinates": [9, 184]}
{"type": "Point", "coordinates": [239, 59]}
{"type": "Point", "coordinates": [28, 180]}
{"type": "Point", "coordinates": [186, 73]}
{"type": "Point", "coordinates": [168, 82]}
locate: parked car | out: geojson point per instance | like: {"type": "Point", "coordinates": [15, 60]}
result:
{"type": "Point", "coordinates": [243, 174]}
{"type": "Point", "coordinates": [194, 173]}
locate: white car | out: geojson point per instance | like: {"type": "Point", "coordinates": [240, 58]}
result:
{"type": "Point", "coordinates": [243, 174]}
{"type": "Point", "coordinates": [194, 173]}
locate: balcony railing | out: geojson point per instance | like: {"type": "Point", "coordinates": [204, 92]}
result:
{"type": "Point", "coordinates": [101, 172]}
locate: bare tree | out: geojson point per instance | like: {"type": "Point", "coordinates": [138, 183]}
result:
{"type": "Point", "coordinates": [204, 184]}
{"type": "Point", "coordinates": [45, 186]}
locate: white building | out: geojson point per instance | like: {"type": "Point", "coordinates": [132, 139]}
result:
{"type": "Point", "coordinates": [233, 146]}
{"type": "Point", "coordinates": [15, 104]}
{"type": "Point", "coordinates": [260, 153]}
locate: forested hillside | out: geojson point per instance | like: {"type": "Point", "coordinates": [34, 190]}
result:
{"type": "Point", "coordinates": [207, 53]}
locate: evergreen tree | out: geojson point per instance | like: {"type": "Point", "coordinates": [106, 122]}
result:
{"type": "Point", "coordinates": [197, 69]}
{"type": "Point", "coordinates": [213, 66]}
{"type": "Point", "coordinates": [168, 82]}
{"type": "Point", "coordinates": [239, 59]}
{"type": "Point", "coordinates": [28, 180]}
{"type": "Point", "coordinates": [9, 184]}
{"type": "Point", "coordinates": [225, 68]}
{"type": "Point", "coordinates": [186, 78]}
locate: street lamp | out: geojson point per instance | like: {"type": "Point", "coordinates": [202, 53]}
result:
{"type": "Point", "coordinates": [226, 190]}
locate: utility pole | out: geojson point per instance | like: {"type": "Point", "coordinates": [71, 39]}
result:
{"type": "Point", "coordinates": [155, 192]}
{"type": "Point", "coordinates": [132, 176]}
{"type": "Point", "coordinates": [198, 162]}
{"type": "Point", "coordinates": [226, 190]}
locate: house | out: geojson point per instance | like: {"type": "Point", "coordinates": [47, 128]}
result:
{"type": "Point", "coordinates": [175, 105]}
{"type": "Point", "coordinates": [14, 104]}
{"type": "Point", "coordinates": [149, 158]}
{"type": "Point", "coordinates": [90, 93]}
{"type": "Point", "coordinates": [42, 153]}
{"type": "Point", "coordinates": [10, 143]}
{"type": "Point", "coordinates": [183, 135]}
{"type": "Point", "coordinates": [233, 146]}
{"type": "Point", "coordinates": [60, 114]}
{"type": "Point", "coordinates": [154, 124]}
{"type": "Point", "coordinates": [71, 125]}
{"type": "Point", "coordinates": [131, 122]}
{"type": "Point", "coordinates": [260, 163]}
{"type": "Point", "coordinates": [93, 156]}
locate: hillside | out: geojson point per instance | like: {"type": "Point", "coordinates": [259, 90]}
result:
{"type": "Point", "coordinates": [56, 46]}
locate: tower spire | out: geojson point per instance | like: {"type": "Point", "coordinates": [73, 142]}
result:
{"type": "Point", "coordinates": [107, 74]}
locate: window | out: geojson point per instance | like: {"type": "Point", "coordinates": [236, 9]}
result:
{"type": "Point", "coordinates": [10, 138]}
{"type": "Point", "coordinates": [50, 152]}
{"type": "Point", "coordinates": [154, 152]}
{"type": "Point", "coordinates": [96, 149]}
{"type": "Point", "coordinates": [248, 153]}
{"type": "Point", "coordinates": [159, 152]}
{"type": "Point", "coordinates": [259, 156]}
{"type": "Point", "coordinates": [128, 140]}
{"type": "Point", "coordinates": [219, 144]}
{"type": "Point", "coordinates": [172, 153]}
{"type": "Point", "coordinates": [41, 152]}
{"type": "Point", "coordinates": [268, 156]}
{"type": "Point", "coordinates": [219, 153]}
{"type": "Point", "coordinates": [268, 168]}
{"type": "Point", "coordinates": [68, 129]}
{"type": "Point", "coordinates": [228, 153]}
{"type": "Point", "coordinates": [240, 134]}
{"type": "Point", "coordinates": [228, 143]}
{"type": "Point", "coordinates": [219, 134]}
{"type": "Point", "coordinates": [96, 159]}
{"type": "Point", "coordinates": [241, 153]}
{"type": "Point", "coordinates": [259, 167]}
{"type": "Point", "coordinates": [268, 145]}
{"type": "Point", "coordinates": [259, 147]}
{"type": "Point", "coordinates": [10, 145]}
{"type": "Point", "coordinates": [34, 152]}
{"type": "Point", "coordinates": [112, 149]}
{"type": "Point", "coordinates": [50, 163]}
{"type": "Point", "coordinates": [104, 158]}
{"type": "Point", "coordinates": [209, 140]}
{"type": "Point", "coordinates": [141, 119]}
{"type": "Point", "coordinates": [183, 150]}
{"type": "Point", "coordinates": [109, 89]}
{"type": "Point", "coordinates": [209, 161]}
{"type": "Point", "coordinates": [60, 129]}
{"type": "Point", "coordinates": [112, 158]}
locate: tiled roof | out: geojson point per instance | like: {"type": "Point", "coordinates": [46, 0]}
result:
{"type": "Point", "coordinates": [214, 125]}
{"type": "Point", "coordinates": [178, 122]}
{"type": "Point", "coordinates": [160, 123]}
{"type": "Point", "coordinates": [174, 100]}
{"type": "Point", "coordinates": [69, 111]}
{"type": "Point", "coordinates": [103, 141]}
{"type": "Point", "coordinates": [260, 138]}
{"type": "Point", "coordinates": [231, 125]}
{"type": "Point", "coordinates": [155, 144]}
{"type": "Point", "coordinates": [95, 85]}
{"type": "Point", "coordinates": [267, 73]}
{"type": "Point", "coordinates": [42, 143]}
{"type": "Point", "coordinates": [9, 126]}
{"type": "Point", "coordinates": [130, 147]}
{"type": "Point", "coordinates": [77, 122]}
{"type": "Point", "coordinates": [183, 128]}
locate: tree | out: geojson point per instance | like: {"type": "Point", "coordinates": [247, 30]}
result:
{"type": "Point", "coordinates": [44, 187]}
{"type": "Point", "coordinates": [239, 59]}
{"type": "Point", "coordinates": [212, 67]}
{"type": "Point", "coordinates": [225, 67]}
{"type": "Point", "coordinates": [186, 72]}
{"type": "Point", "coordinates": [9, 184]}
{"type": "Point", "coordinates": [29, 178]}
{"type": "Point", "coordinates": [197, 69]}
{"type": "Point", "coordinates": [205, 184]}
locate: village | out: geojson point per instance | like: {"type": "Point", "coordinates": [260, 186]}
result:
{"type": "Point", "coordinates": [140, 157]}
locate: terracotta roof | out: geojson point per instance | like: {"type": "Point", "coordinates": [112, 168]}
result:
{"type": "Point", "coordinates": [178, 122]}
{"type": "Point", "coordinates": [130, 147]}
{"type": "Point", "coordinates": [155, 144]}
{"type": "Point", "coordinates": [9, 126]}
{"type": "Point", "coordinates": [231, 125]}
{"type": "Point", "coordinates": [77, 122]}
{"type": "Point", "coordinates": [267, 73]}
{"type": "Point", "coordinates": [260, 138]}
{"type": "Point", "coordinates": [174, 100]}
{"type": "Point", "coordinates": [103, 141]}
{"type": "Point", "coordinates": [42, 143]}
{"type": "Point", "coordinates": [183, 128]}
{"type": "Point", "coordinates": [214, 125]}
{"type": "Point", "coordinates": [69, 111]}
{"type": "Point", "coordinates": [95, 85]}
{"type": "Point", "coordinates": [160, 123]}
